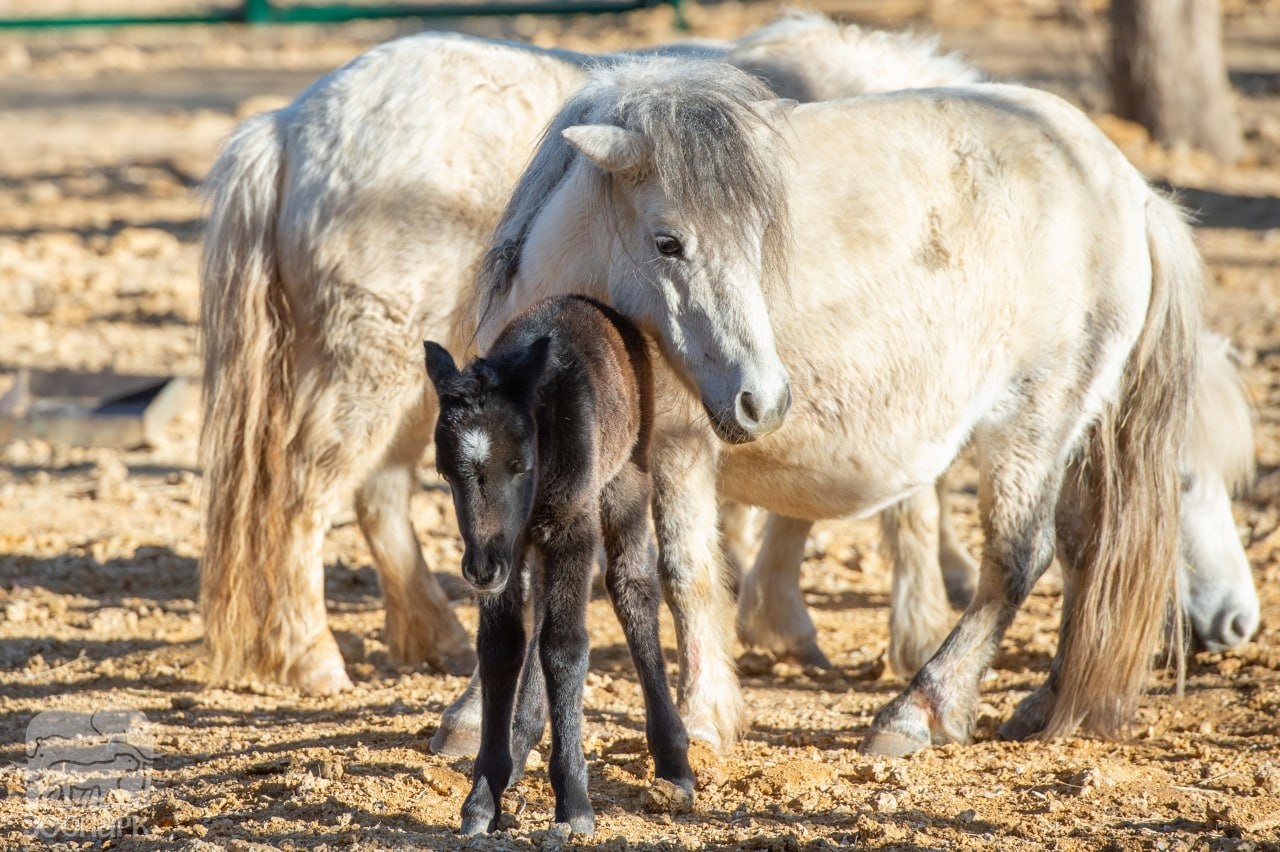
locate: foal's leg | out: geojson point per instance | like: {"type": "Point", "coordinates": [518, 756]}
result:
{"type": "Point", "coordinates": [570, 560]}
{"type": "Point", "coordinates": [919, 615]}
{"type": "Point", "coordinates": [500, 642]}
{"type": "Point", "coordinates": [693, 578]}
{"type": "Point", "coordinates": [771, 611]}
{"type": "Point", "coordinates": [421, 627]}
{"type": "Point", "coordinates": [633, 588]}
{"type": "Point", "coordinates": [959, 571]}
{"type": "Point", "coordinates": [1018, 495]}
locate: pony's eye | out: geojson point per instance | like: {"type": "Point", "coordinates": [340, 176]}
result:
{"type": "Point", "coordinates": [668, 245]}
{"type": "Point", "coordinates": [519, 468]}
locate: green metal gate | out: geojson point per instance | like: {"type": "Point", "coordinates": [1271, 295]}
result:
{"type": "Point", "coordinates": [266, 12]}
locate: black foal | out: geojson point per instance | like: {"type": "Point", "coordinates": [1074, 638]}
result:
{"type": "Point", "coordinates": [545, 444]}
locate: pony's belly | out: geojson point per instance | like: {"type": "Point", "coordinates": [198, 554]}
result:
{"type": "Point", "coordinates": [815, 488]}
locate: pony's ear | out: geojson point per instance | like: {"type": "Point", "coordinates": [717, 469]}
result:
{"type": "Point", "coordinates": [530, 370]}
{"type": "Point", "coordinates": [440, 365]}
{"type": "Point", "coordinates": [614, 149]}
{"type": "Point", "coordinates": [774, 110]}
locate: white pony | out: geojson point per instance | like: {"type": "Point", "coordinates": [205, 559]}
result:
{"type": "Point", "coordinates": [343, 230]}
{"type": "Point", "coordinates": [933, 571]}
{"type": "Point", "coordinates": [976, 263]}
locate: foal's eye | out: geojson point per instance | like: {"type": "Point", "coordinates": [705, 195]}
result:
{"type": "Point", "coordinates": [519, 468]}
{"type": "Point", "coordinates": [668, 245]}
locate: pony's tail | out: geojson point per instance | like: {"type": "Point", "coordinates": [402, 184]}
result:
{"type": "Point", "coordinates": [1129, 478]}
{"type": "Point", "coordinates": [246, 336]}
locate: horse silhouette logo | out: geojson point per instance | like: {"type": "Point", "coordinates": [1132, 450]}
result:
{"type": "Point", "coordinates": [80, 765]}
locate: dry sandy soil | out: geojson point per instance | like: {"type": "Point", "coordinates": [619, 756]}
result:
{"type": "Point", "coordinates": [105, 138]}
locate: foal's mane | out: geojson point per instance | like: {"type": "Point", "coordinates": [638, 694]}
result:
{"type": "Point", "coordinates": [702, 120]}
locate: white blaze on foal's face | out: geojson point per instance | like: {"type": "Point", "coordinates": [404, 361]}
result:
{"type": "Point", "coordinates": [474, 445]}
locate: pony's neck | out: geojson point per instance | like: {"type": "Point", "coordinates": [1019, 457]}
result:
{"type": "Point", "coordinates": [563, 254]}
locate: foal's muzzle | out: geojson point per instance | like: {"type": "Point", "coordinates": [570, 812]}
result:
{"type": "Point", "coordinates": [486, 574]}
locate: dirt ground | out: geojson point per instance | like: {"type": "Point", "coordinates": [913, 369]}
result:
{"type": "Point", "coordinates": [106, 135]}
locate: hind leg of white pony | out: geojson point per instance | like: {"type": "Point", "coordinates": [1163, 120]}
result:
{"type": "Point", "coordinates": [919, 614]}
{"type": "Point", "coordinates": [959, 570]}
{"type": "Point", "coordinates": [1019, 493]}
{"type": "Point", "coordinates": [771, 611]}
{"type": "Point", "coordinates": [694, 581]}
{"type": "Point", "coordinates": [420, 627]}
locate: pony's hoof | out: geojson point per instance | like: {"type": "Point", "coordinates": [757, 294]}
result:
{"type": "Point", "coordinates": [457, 663]}
{"type": "Point", "coordinates": [1029, 717]}
{"type": "Point", "coordinates": [805, 653]}
{"type": "Point", "coordinates": [455, 740]}
{"type": "Point", "coordinates": [320, 672]}
{"type": "Point", "coordinates": [891, 744]}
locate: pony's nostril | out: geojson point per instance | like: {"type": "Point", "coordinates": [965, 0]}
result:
{"type": "Point", "coordinates": [748, 413]}
{"type": "Point", "coordinates": [1240, 628]}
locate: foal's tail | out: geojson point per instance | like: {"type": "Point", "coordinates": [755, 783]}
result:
{"type": "Point", "coordinates": [246, 333]}
{"type": "Point", "coordinates": [1130, 485]}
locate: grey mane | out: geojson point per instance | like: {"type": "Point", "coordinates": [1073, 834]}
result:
{"type": "Point", "coordinates": [701, 119]}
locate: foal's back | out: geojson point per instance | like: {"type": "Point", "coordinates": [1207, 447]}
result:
{"type": "Point", "coordinates": [598, 401]}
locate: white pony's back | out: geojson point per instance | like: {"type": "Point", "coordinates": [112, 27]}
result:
{"type": "Point", "coordinates": [808, 57]}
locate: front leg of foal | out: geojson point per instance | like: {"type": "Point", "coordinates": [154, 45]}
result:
{"type": "Point", "coordinates": [564, 652]}
{"type": "Point", "coordinates": [500, 644]}
{"type": "Point", "coordinates": [632, 581]}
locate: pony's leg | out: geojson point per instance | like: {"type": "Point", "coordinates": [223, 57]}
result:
{"type": "Point", "coordinates": [531, 703]}
{"type": "Point", "coordinates": [1018, 496]}
{"type": "Point", "coordinates": [420, 626]}
{"type": "Point", "coordinates": [693, 577]}
{"type": "Point", "coordinates": [501, 645]}
{"type": "Point", "coordinates": [632, 582]}
{"type": "Point", "coordinates": [1032, 713]}
{"type": "Point", "coordinates": [740, 536]}
{"type": "Point", "coordinates": [919, 614]}
{"type": "Point", "coordinates": [459, 731]}
{"type": "Point", "coordinates": [771, 611]}
{"type": "Point", "coordinates": [570, 559]}
{"type": "Point", "coordinates": [959, 570]}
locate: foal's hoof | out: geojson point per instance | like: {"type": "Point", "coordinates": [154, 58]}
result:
{"type": "Point", "coordinates": [669, 797]}
{"type": "Point", "coordinates": [583, 825]}
{"type": "Point", "coordinates": [476, 825]}
{"type": "Point", "coordinates": [890, 744]}
{"type": "Point", "coordinates": [479, 811]}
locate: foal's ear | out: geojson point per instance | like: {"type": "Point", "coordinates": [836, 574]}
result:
{"type": "Point", "coordinates": [440, 364]}
{"type": "Point", "coordinates": [614, 149]}
{"type": "Point", "coordinates": [530, 371]}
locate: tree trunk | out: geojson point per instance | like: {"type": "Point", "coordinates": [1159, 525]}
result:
{"type": "Point", "coordinates": [1168, 73]}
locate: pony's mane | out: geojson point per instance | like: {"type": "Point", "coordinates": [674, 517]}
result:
{"type": "Point", "coordinates": [1220, 438]}
{"type": "Point", "coordinates": [703, 123]}
{"type": "Point", "coordinates": [809, 57]}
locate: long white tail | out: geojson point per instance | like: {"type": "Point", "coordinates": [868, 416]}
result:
{"type": "Point", "coordinates": [1129, 480]}
{"type": "Point", "coordinates": [246, 335]}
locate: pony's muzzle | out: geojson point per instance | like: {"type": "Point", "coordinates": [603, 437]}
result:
{"type": "Point", "coordinates": [753, 416]}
